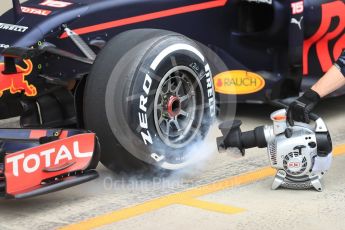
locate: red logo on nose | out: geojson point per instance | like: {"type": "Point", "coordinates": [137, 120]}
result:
{"type": "Point", "coordinates": [16, 82]}
{"type": "Point", "coordinates": [219, 83]}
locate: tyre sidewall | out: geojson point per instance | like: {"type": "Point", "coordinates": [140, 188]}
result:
{"type": "Point", "coordinates": [145, 143]}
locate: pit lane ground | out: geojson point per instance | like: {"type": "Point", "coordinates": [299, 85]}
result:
{"type": "Point", "coordinates": [223, 192]}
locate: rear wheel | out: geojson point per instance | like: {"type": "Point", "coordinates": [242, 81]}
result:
{"type": "Point", "coordinates": [149, 98]}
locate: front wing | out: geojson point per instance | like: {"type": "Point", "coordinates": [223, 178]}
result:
{"type": "Point", "coordinates": [36, 162]}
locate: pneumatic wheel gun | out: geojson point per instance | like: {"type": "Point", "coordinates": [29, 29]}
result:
{"type": "Point", "coordinates": [301, 153]}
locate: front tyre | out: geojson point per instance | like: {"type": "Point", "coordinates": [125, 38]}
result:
{"type": "Point", "coordinates": [149, 98]}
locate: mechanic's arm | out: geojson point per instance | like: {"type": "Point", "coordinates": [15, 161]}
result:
{"type": "Point", "coordinates": [330, 82]}
{"type": "Point", "coordinates": [334, 79]}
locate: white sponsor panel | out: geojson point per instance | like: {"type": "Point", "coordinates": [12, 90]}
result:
{"type": "Point", "coordinates": [4, 46]}
{"type": "Point", "coordinates": [261, 1]}
{"type": "Point", "coordinates": [56, 4]}
{"type": "Point", "coordinates": [297, 7]}
{"type": "Point", "coordinates": [11, 27]}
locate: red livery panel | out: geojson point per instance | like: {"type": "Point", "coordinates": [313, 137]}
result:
{"type": "Point", "coordinates": [28, 168]}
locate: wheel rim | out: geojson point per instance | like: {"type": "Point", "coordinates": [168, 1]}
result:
{"type": "Point", "coordinates": [178, 107]}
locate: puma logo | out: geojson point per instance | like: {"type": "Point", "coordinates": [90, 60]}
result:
{"type": "Point", "coordinates": [298, 23]}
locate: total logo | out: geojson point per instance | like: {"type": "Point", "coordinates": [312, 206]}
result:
{"type": "Point", "coordinates": [238, 82]}
{"type": "Point", "coordinates": [45, 159]}
{"type": "Point", "coordinates": [27, 169]}
{"type": "Point", "coordinates": [29, 10]}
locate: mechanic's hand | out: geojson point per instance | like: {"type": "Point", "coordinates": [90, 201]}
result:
{"type": "Point", "coordinates": [299, 110]}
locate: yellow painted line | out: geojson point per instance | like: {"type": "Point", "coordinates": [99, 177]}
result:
{"type": "Point", "coordinates": [186, 197]}
{"type": "Point", "coordinates": [339, 150]}
{"type": "Point", "coordinates": [170, 200]}
{"type": "Point", "coordinates": [210, 206]}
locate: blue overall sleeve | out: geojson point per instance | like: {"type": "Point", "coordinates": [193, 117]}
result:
{"type": "Point", "coordinates": [340, 63]}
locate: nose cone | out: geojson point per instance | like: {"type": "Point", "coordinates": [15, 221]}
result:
{"type": "Point", "coordinates": [12, 31]}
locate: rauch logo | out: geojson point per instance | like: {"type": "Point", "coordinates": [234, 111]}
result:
{"type": "Point", "coordinates": [238, 82]}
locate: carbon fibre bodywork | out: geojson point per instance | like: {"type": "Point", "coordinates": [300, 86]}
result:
{"type": "Point", "coordinates": [288, 43]}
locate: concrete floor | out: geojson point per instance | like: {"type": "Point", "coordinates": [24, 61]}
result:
{"type": "Point", "coordinates": [261, 207]}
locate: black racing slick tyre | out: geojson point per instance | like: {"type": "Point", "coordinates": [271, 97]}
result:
{"type": "Point", "coordinates": [150, 98]}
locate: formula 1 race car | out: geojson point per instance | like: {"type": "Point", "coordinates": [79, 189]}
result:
{"type": "Point", "coordinates": [140, 74]}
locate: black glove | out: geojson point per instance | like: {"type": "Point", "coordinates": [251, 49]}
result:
{"type": "Point", "coordinates": [299, 110]}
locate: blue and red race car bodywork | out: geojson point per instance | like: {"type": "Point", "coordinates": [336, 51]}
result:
{"type": "Point", "coordinates": [250, 35]}
{"type": "Point", "coordinates": [36, 162]}
{"type": "Point", "coordinates": [272, 49]}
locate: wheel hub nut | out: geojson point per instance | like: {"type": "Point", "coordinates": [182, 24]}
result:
{"type": "Point", "coordinates": [174, 106]}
